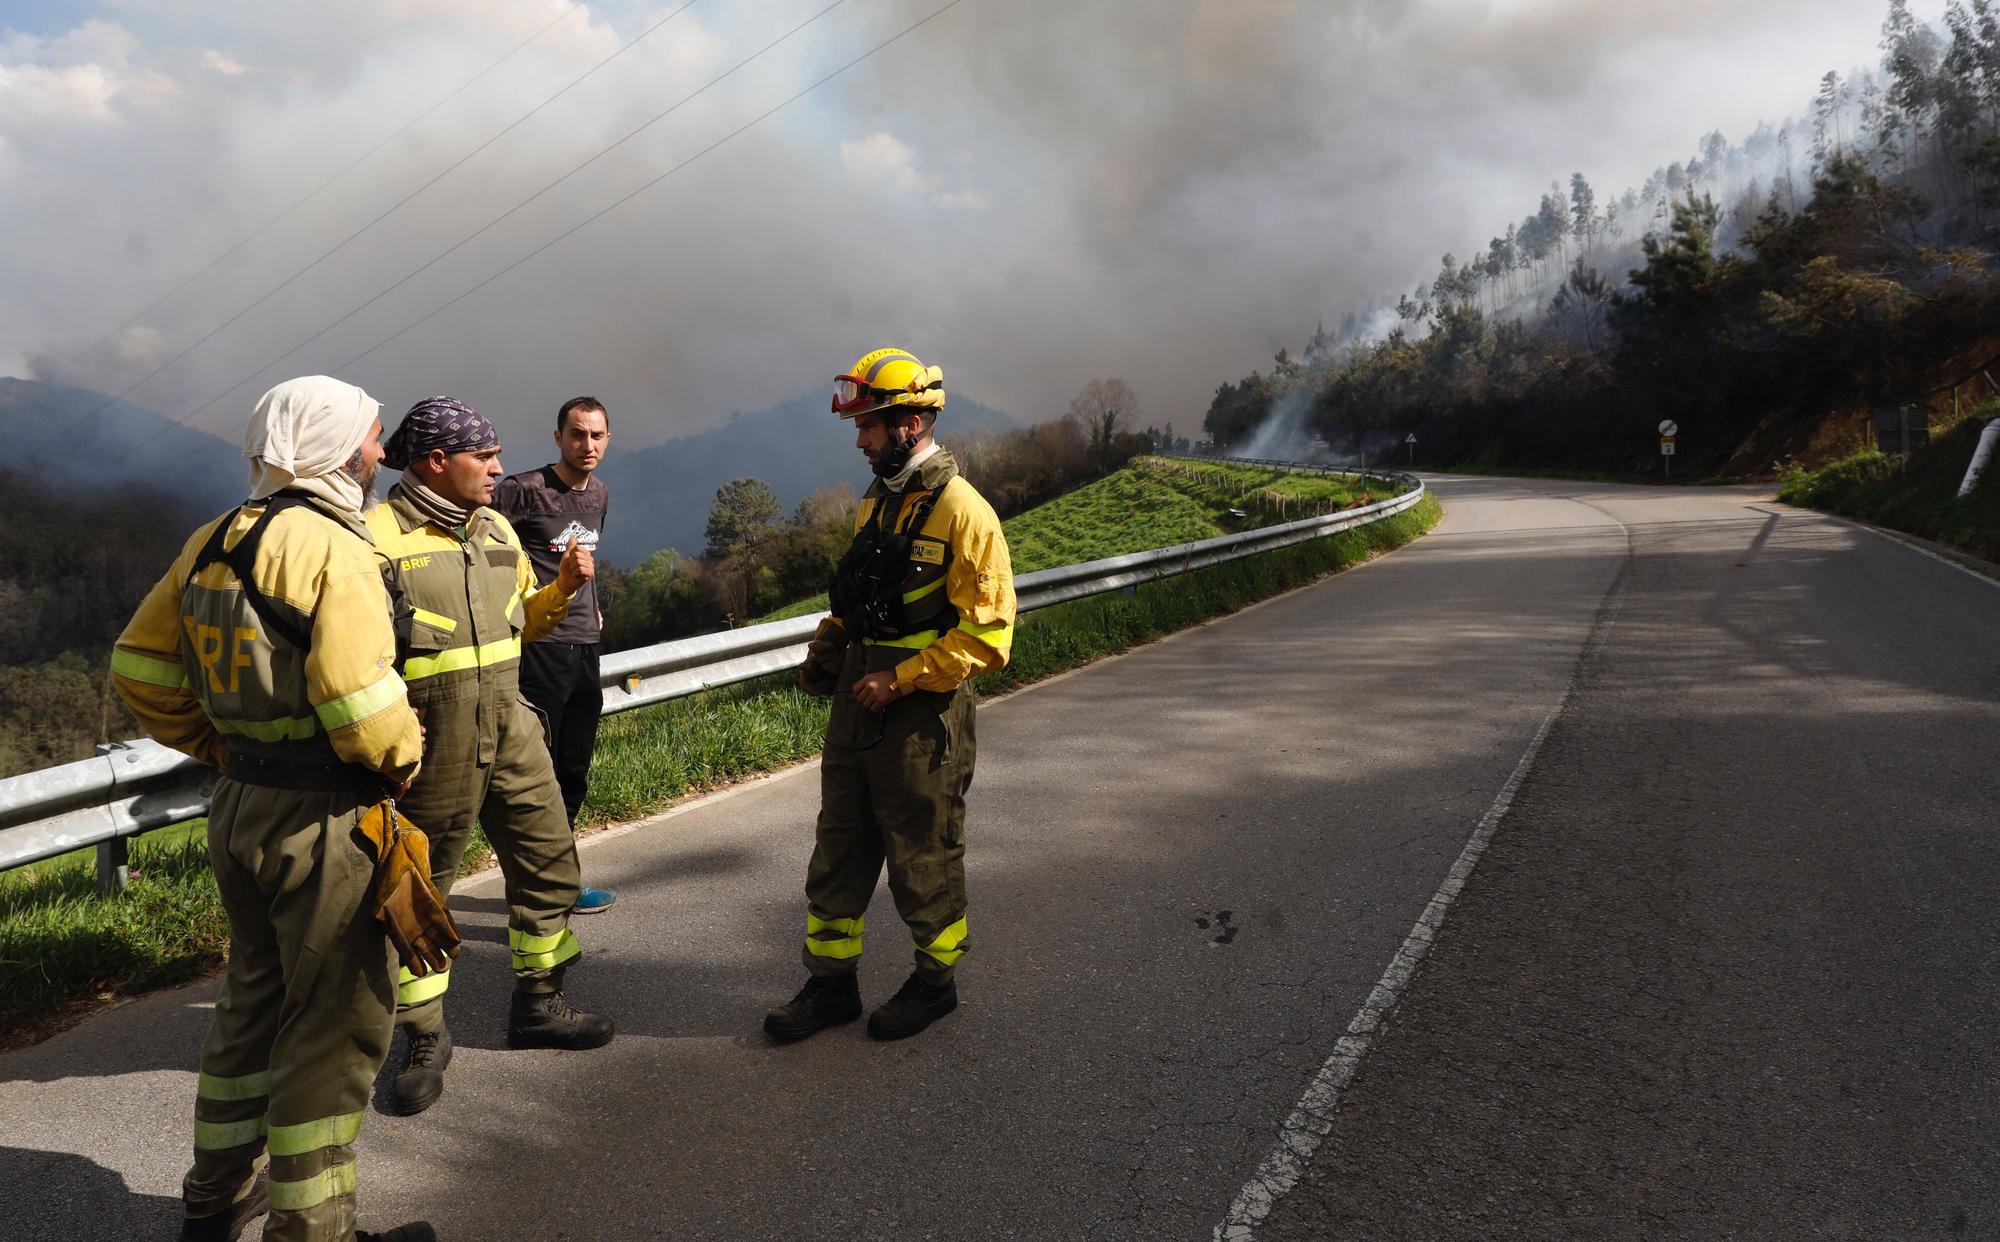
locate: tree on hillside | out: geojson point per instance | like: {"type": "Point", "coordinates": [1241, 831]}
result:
{"type": "Point", "coordinates": [1105, 406]}
{"type": "Point", "coordinates": [745, 512]}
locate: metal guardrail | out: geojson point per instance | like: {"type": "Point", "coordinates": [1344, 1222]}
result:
{"type": "Point", "coordinates": [133, 787]}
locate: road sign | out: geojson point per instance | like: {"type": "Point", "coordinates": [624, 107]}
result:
{"type": "Point", "coordinates": [1668, 427]}
{"type": "Point", "coordinates": [1666, 446]}
{"type": "Point", "coordinates": [1411, 438]}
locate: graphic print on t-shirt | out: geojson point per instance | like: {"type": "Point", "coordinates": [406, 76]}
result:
{"type": "Point", "coordinates": [578, 531]}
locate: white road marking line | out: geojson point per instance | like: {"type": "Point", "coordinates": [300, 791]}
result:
{"type": "Point", "coordinates": [1967, 570]}
{"type": "Point", "coordinates": [1312, 1119]}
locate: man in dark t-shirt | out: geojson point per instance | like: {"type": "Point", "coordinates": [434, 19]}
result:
{"type": "Point", "coordinates": [548, 508]}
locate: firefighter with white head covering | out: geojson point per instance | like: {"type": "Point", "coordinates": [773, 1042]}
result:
{"type": "Point", "coordinates": [267, 651]}
{"type": "Point", "coordinates": [922, 602]}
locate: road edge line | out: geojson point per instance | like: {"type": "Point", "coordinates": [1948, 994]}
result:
{"type": "Point", "coordinates": [1311, 1119]}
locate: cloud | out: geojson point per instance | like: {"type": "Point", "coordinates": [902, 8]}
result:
{"type": "Point", "coordinates": [1031, 194]}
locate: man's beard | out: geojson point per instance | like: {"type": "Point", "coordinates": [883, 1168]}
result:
{"type": "Point", "coordinates": [364, 475]}
{"type": "Point", "coordinates": [890, 462]}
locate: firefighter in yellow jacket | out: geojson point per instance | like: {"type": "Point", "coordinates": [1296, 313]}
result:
{"type": "Point", "coordinates": [466, 600]}
{"type": "Point", "coordinates": [266, 651]}
{"type": "Point", "coordinates": [922, 602]}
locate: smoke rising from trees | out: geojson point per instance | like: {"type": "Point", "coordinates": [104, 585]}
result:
{"type": "Point", "coordinates": [1029, 194]}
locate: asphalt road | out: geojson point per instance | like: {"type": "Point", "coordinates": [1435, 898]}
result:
{"type": "Point", "coordinates": [1724, 969]}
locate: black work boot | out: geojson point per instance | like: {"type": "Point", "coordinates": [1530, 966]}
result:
{"type": "Point", "coordinates": [421, 1080]}
{"type": "Point", "coordinates": [546, 1020]}
{"type": "Point", "coordinates": [227, 1225]}
{"type": "Point", "coordinates": [825, 1000]}
{"type": "Point", "coordinates": [415, 1231]}
{"type": "Point", "coordinates": [916, 1005]}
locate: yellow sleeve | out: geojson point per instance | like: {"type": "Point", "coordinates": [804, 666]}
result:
{"type": "Point", "coordinates": [146, 669]}
{"type": "Point", "coordinates": [351, 676]}
{"type": "Point", "coordinates": [544, 607]}
{"type": "Point", "coordinates": [980, 584]}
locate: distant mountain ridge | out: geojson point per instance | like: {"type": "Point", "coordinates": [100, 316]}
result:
{"type": "Point", "coordinates": [660, 495]}
{"type": "Point", "coordinates": [51, 432]}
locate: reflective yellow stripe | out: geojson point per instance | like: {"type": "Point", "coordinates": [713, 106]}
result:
{"type": "Point", "coordinates": [315, 1190]}
{"type": "Point", "coordinates": [411, 990]}
{"type": "Point", "coordinates": [916, 642]}
{"type": "Point", "coordinates": [846, 944]}
{"type": "Point", "coordinates": [997, 635]}
{"type": "Point", "coordinates": [911, 597]}
{"type": "Point", "coordinates": [310, 1136]}
{"type": "Point", "coordinates": [946, 948]}
{"type": "Point", "coordinates": [135, 667]}
{"type": "Point", "coordinates": [416, 668]}
{"type": "Point", "coordinates": [349, 708]}
{"type": "Point", "coordinates": [542, 952]}
{"type": "Point", "coordinates": [296, 729]}
{"type": "Point", "coordinates": [248, 1087]}
{"type": "Point", "coordinates": [223, 1135]}
{"type": "Point", "coordinates": [834, 948]}
{"type": "Point", "coordinates": [435, 620]}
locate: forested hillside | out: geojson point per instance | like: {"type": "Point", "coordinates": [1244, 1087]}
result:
{"type": "Point", "coordinates": [1764, 294]}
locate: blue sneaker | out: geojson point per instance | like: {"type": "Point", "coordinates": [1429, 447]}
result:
{"type": "Point", "coordinates": [593, 900]}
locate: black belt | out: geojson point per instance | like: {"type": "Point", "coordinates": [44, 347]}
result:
{"type": "Point", "coordinates": [305, 775]}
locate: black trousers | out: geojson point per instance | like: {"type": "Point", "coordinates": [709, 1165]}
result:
{"type": "Point", "coordinates": [560, 679]}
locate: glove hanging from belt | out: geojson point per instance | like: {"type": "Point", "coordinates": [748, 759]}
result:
{"type": "Point", "coordinates": [407, 903]}
{"type": "Point", "coordinates": [820, 674]}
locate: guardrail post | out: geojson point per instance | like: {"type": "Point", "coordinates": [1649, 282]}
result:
{"type": "Point", "coordinates": [114, 869]}
{"type": "Point", "coordinates": [114, 857]}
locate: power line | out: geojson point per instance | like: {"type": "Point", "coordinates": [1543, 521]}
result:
{"type": "Point", "coordinates": [398, 205]}
{"type": "Point", "coordinates": [455, 246]}
{"type": "Point", "coordinates": [740, 65]}
{"type": "Point", "coordinates": [313, 193]}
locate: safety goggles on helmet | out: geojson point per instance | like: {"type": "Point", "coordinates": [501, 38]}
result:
{"type": "Point", "coordinates": [852, 395]}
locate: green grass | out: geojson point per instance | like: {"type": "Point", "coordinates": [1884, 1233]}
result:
{"type": "Point", "coordinates": [1919, 496]}
{"type": "Point", "coordinates": [1155, 502]}
{"type": "Point", "coordinates": [62, 948]}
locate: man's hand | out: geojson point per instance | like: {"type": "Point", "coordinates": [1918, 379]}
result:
{"type": "Point", "coordinates": [877, 690]}
{"type": "Point", "coordinates": [579, 565]}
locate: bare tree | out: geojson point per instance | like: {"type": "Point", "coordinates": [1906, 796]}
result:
{"type": "Point", "coordinates": [1104, 406]}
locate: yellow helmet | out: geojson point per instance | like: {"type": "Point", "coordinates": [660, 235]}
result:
{"type": "Point", "coordinates": [886, 377]}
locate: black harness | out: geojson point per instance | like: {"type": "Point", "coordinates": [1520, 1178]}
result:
{"type": "Point", "coordinates": [867, 588]}
{"type": "Point", "coordinates": [243, 557]}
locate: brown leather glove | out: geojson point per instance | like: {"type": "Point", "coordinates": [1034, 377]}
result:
{"type": "Point", "coordinates": [407, 903]}
{"type": "Point", "coordinates": [820, 674]}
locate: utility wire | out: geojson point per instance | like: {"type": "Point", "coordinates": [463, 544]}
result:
{"type": "Point", "coordinates": [594, 216]}
{"type": "Point", "coordinates": [455, 246]}
{"type": "Point", "coordinates": [313, 193]}
{"type": "Point", "coordinates": [268, 294]}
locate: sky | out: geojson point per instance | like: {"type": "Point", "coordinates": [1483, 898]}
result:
{"type": "Point", "coordinates": [1030, 194]}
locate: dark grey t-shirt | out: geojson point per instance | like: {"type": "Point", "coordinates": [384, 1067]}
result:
{"type": "Point", "coordinates": [546, 513]}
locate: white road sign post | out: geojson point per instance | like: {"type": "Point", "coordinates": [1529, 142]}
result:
{"type": "Point", "coordinates": [1411, 440]}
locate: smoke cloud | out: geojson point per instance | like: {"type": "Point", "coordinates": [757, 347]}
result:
{"type": "Point", "coordinates": [1029, 194]}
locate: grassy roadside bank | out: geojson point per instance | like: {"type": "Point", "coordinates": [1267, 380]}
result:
{"type": "Point", "coordinates": [63, 951]}
{"type": "Point", "coordinates": [1918, 496]}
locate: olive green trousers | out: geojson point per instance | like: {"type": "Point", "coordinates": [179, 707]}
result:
{"type": "Point", "coordinates": [892, 793]}
{"type": "Point", "coordinates": [486, 761]}
{"type": "Point", "coordinates": [305, 1014]}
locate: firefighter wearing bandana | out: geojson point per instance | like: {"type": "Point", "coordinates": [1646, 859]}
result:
{"type": "Point", "coordinates": [922, 602]}
{"type": "Point", "coordinates": [466, 600]}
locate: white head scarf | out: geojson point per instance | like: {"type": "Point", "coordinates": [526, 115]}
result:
{"type": "Point", "coordinates": [302, 433]}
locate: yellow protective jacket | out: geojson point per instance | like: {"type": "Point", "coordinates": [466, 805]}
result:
{"type": "Point", "coordinates": [468, 600]}
{"type": "Point", "coordinates": [960, 575]}
{"type": "Point", "coordinates": [201, 674]}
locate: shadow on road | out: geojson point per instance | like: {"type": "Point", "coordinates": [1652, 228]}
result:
{"type": "Point", "coordinates": [53, 1195]}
